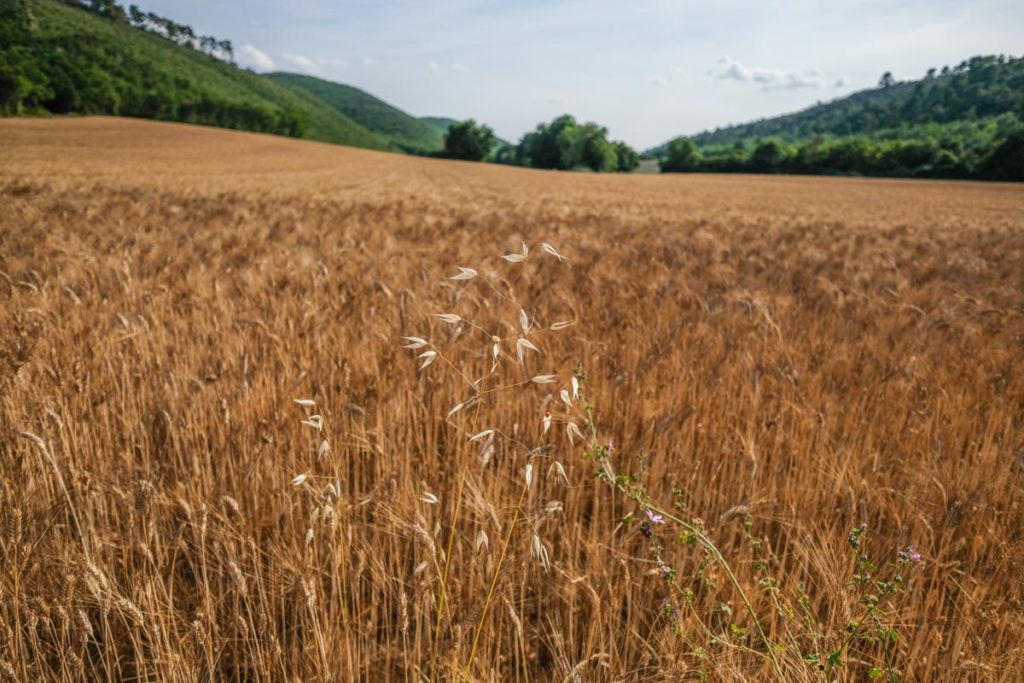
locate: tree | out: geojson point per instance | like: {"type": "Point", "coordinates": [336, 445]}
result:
{"type": "Point", "coordinates": [768, 157]}
{"type": "Point", "coordinates": [627, 157]}
{"type": "Point", "coordinates": [469, 141]}
{"type": "Point", "coordinates": [566, 145]}
{"type": "Point", "coordinates": [551, 145]}
{"type": "Point", "coordinates": [887, 80]}
{"type": "Point", "coordinates": [137, 16]}
{"type": "Point", "coordinates": [227, 49]}
{"type": "Point", "coordinates": [1006, 162]}
{"type": "Point", "coordinates": [596, 152]}
{"type": "Point", "coordinates": [683, 156]}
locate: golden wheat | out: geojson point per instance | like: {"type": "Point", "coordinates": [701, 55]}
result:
{"type": "Point", "coordinates": [805, 354]}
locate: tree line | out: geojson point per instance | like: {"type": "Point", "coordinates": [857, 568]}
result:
{"type": "Point", "coordinates": [965, 121]}
{"type": "Point", "coordinates": [993, 150]}
{"type": "Point", "coordinates": [180, 34]}
{"type": "Point", "coordinates": [975, 89]}
{"type": "Point", "coordinates": [563, 144]}
{"type": "Point", "coordinates": [46, 66]}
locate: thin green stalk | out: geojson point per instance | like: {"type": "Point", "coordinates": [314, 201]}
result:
{"type": "Point", "coordinates": [444, 575]}
{"type": "Point", "coordinates": [717, 555]}
{"type": "Point", "coordinates": [494, 579]}
{"type": "Point", "coordinates": [698, 534]}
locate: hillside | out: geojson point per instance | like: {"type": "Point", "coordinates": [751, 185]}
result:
{"type": "Point", "coordinates": [965, 122]}
{"type": "Point", "coordinates": [61, 59]}
{"type": "Point", "coordinates": [442, 123]}
{"type": "Point", "coordinates": [407, 131]}
{"type": "Point", "coordinates": [976, 89]}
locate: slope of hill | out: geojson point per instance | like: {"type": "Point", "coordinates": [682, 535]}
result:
{"type": "Point", "coordinates": [442, 123]}
{"type": "Point", "coordinates": [407, 131]}
{"type": "Point", "coordinates": [965, 122]}
{"type": "Point", "coordinates": [62, 59]}
{"type": "Point", "coordinates": [976, 89]}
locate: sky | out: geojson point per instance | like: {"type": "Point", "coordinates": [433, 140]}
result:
{"type": "Point", "coordinates": [649, 70]}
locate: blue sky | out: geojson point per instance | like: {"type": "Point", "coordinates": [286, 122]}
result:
{"type": "Point", "coordinates": [646, 69]}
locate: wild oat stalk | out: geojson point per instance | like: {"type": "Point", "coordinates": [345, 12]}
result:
{"type": "Point", "coordinates": [487, 387]}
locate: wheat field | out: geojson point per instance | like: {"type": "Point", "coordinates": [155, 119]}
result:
{"type": "Point", "coordinates": [774, 361]}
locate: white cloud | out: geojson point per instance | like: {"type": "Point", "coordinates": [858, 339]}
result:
{"type": "Point", "coordinates": [769, 79]}
{"type": "Point", "coordinates": [300, 60]}
{"type": "Point", "coordinates": [558, 98]}
{"type": "Point", "coordinates": [659, 80]}
{"type": "Point", "coordinates": [368, 61]}
{"type": "Point", "coordinates": [252, 58]}
{"type": "Point", "coordinates": [434, 67]}
{"type": "Point", "coordinates": [459, 67]}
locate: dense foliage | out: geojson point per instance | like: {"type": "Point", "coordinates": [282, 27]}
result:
{"type": "Point", "coordinates": [987, 149]}
{"type": "Point", "coordinates": [975, 89]}
{"type": "Point", "coordinates": [564, 144]}
{"type": "Point", "coordinates": [469, 141]}
{"type": "Point", "coordinates": [408, 132]}
{"type": "Point", "coordinates": [48, 64]}
{"type": "Point", "coordinates": [180, 34]}
{"type": "Point", "coordinates": [97, 58]}
{"type": "Point", "coordinates": [961, 122]}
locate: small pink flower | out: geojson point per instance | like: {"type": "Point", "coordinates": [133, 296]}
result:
{"type": "Point", "coordinates": [910, 555]}
{"type": "Point", "coordinates": [656, 519]}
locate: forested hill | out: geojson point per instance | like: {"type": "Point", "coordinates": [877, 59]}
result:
{"type": "Point", "coordinates": [442, 123]}
{"type": "Point", "coordinates": [407, 131]}
{"type": "Point", "coordinates": [965, 121]}
{"type": "Point", "coordinates": [976, 88]}
{"type": "Point", "coordinates": [95, 57]}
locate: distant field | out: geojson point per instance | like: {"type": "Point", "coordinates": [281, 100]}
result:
{"type": "Point", "coordinates": [793, 357]}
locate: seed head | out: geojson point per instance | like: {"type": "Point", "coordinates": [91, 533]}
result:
{"type": "Point", "coordinates": [415, 342]}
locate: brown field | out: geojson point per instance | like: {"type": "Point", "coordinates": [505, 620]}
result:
{"type": "Point", "coordinates": [792, 356]}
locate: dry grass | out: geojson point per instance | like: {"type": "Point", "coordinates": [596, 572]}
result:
{"type": "Point", "coordinates": [824, 352]}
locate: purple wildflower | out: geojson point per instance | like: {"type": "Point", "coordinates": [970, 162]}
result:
{"type": "Point", "coordinates": [656, 519]}
{"type": "Point", "coordinates": [910, 555]}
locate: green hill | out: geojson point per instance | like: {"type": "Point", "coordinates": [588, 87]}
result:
{"type": "Point", "coordinates": [975, 90]}
{"type": "Point", "coordinates": [442, 123]}
{"type": "Point", "coordinates": [407, 131]}
{"type": "Point", "coordinates": [961, 122]}
{"type": "Point", "coordinates": [60, 58]}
